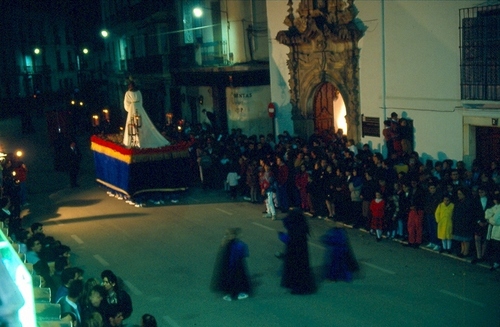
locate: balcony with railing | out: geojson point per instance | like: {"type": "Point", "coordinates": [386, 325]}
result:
{"type": "Point", "coordinates": [207, 54]}
{"type": "Point", "coordinates": [213, 53]}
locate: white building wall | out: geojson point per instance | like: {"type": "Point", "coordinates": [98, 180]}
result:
{"type": "Point", "coordinates": [279, 75]}
{"type": "Point", "coordinates": [247, 109]}
{"type": "Point", "coordinates": [409, 63]}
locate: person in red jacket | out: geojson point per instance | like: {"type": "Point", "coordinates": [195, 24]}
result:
{"type": "Point", "coordinates": [22, 175]}
{"type": "Point", "coordinates": [301, 181]}
{"type": "Point", "coordinates": [377, 209]}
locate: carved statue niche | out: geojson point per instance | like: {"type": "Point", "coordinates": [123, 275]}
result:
{"type": "Point", "coordinates": [323, 41]}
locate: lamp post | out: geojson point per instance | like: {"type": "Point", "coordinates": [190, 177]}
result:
{"type": "Point", "coordinates": [37, 52]}
{"type": "Point", "coordinates": [198, 12]}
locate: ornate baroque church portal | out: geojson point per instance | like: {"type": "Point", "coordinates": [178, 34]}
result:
{"type": "Point", "coordinates": [324, 64]}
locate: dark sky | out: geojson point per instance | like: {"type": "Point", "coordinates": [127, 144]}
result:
{"type": "Point", "coordinates": [84, 14]}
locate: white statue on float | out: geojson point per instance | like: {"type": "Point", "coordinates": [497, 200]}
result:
{"type": "Point", "coordinates": [139, 132]}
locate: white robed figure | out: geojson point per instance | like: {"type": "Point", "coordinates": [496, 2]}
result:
{"type": "Point", "coordinates": [146, 135]}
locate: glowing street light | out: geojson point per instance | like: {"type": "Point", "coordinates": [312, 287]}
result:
{"type": "Point", "coordinates": [197, 12]}
{"type": "Point", "coordinates": [37, 51]}
{"type": "Point", "coordinates": [85, 50]}
{"type": "Point", "coordinates": [104, 33]}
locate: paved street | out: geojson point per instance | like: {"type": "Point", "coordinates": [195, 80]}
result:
{"type": "Point", "coordinates": [165, 255]}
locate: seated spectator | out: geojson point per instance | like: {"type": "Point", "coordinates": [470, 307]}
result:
{"type": "Point", "coordinates": [42, 269]}
{"type": "Point", "coordinates": [49, 246]}
{"type": "Point", "coordinates": [5, 212]}
{"type": "Point", "coordinates": [36, 228]}
{"type": "Point", "coordinates": [113, 316]}
{"type": "Point", "coordinates": [116, 295]}
{"type": "Point", "coordinates": [34, 245]}
{"type": "Point", "coordinates": [94, 302]}
{"type": "Point", "coordinates": [62, 262]}
{"type": "Point", "coordinates": [69, 303]}
{"type": "Point", "coordinates": [21, 237]}
{"type": "Point", "coordinates": [94, 320]}
{"type": "Point", "coordinates": [67, 276]}
{"type": "Point", "coordinates": [148, 320]}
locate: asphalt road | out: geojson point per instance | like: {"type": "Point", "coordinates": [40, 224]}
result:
{"type": "Point", "coordinates": [165, 255]}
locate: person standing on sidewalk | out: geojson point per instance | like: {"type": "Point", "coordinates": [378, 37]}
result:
{"type": "Point", "coordinates": [431, 202]}
{"type": "Point", "coordinates": [74, 157]}
{"type": "Point", "coordinates": [267, 184]}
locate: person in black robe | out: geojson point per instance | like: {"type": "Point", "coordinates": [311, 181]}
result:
{"type": "Point", "coordinates": [297, 274]}
{"type": "Point", "coordinates": [230, 275]}
{"type": "Point", "coordinates": [213, 120]}
{"type": "Point", "coordinates": [74, 158]}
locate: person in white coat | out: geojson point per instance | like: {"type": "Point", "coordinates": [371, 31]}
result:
{"type": "Point", "coordinates": [492, 215]}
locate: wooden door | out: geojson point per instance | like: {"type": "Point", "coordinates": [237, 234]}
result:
{"type": "Point", "coordinates": [323, 107]}
{"type": "Point", "coordinates": [487, 145]}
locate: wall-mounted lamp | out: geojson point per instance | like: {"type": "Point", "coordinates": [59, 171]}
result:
{"type": "Point", "coordinates": [200, 99]}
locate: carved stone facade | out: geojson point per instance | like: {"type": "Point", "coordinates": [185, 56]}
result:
{"type": "Point", "coordinates": [323, 41]}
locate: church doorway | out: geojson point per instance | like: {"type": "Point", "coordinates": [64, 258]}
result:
{"type": "Point", "coordinates": [329, 109]}
{"type": "Point", "coordinates": [487, 145]}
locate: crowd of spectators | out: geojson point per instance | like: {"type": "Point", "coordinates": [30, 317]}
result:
{"type": "Point", "coordinates": [441, 204]}
{"type": "Point", "coordinates": [91, 302]}
{"type": "Point", "coordinates": [329, 177]}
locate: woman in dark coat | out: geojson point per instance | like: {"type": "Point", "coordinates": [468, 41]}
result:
{"type": "Point", "coordinates": [463, 221]}
{"type": "Point", "coordinates": [297, 274]}
{"type": "Point", "coordinates": [230, 272]}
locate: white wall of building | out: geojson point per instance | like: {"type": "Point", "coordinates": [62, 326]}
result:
{"type": "Point", "coordinates": [247, 109]}
{"type": "Point", "coordinates": [280, 90]}
{"type": "Point", "coordinates": [409, 63]}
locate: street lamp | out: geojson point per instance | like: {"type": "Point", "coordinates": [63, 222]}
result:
{"type": "Point", "coordinates": [104, 33]}
{"type": "Point", "coordinates": [198, 12]}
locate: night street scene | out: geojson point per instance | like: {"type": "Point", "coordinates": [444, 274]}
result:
{"type": "Point", "coordinates": [249, 163]}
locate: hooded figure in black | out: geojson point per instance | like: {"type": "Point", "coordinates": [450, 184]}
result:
{"type": "Point", "coordinates": [297, 274]}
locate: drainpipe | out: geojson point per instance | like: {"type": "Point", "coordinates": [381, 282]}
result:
{"type": "Point", "coordinates": [384, 90]}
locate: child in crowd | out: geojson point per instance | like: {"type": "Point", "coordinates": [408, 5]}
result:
{"type": "Point", "coordinates": [444, 213]}
{"type": "Point", "coordinates": [391, 212]}
{"type": "Point", "coordinates": [377, 210]}
{"type": "Point", "coordinates": [232, 181]}
{"type": "Point", "coordinates": [415, 226]}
